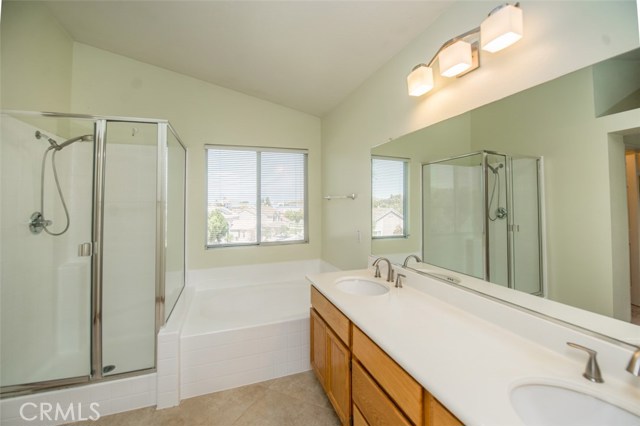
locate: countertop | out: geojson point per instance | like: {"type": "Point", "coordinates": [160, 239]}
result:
{"type": "Point", "coordinates": [469, 364]}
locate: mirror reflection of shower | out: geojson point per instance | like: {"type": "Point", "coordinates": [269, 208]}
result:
{"type": "Point", "coordinates": [38, 221]}
{"type": "Point", "coordinates": [499, 212]}
{"type": "Point", "coordinates": [481, 216]}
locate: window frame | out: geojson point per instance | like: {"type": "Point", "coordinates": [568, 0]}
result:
{"type": "Point", "coordinates": [405, 197]}
{"type": "Point", "coordinates": [258, 150]}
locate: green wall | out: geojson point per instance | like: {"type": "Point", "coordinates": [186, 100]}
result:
{"type": "Point", "coordinates": [35, 57]}
{"type": "Point", "coordinates": [43, 69]}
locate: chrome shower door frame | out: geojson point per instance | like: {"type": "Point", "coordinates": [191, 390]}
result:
{"type": "Point", "coordinates": [97, 239]}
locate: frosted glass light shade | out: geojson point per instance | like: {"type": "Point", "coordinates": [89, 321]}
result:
{"type": "Point", "coordinates": [501, 29]}
{"type": "Point", "coordinates": [455, 59]}
{"type": "Point", "coordinates": [420, 80]}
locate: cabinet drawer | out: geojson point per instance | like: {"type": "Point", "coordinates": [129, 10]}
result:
{"type": "Point", "coordinates": [373, 404]}
{"type": "Point", "coordinates": [437, 414]}
{"type": "Point", "coordinates": [400, 386]}
{"type": "Point", "coordinates": [331, 315]}
{"type": "Point", "coordinates": [358, 418]}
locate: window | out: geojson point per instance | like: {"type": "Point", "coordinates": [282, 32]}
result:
{"type": "Point", "coordinates": [388, 197]}
{"type": "Point", "coordinates": [256, 196]}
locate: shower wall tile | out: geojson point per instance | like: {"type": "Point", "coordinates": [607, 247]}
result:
{"type": "Point", "coordinates": [168, 368]}
{"type": "Point", "coordinates": [168, 399]}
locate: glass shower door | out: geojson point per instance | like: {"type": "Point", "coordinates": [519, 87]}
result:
{"type": "Point", "coordinates": [129, 247]}
{"type": "Point", "coordinates": [46, 185]}
{"type": "Point", "coordinates": [526, 215]}
{"type": "Point", "coordinates": [453, 215]}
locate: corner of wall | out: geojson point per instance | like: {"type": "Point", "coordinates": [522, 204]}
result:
{"type": "Point", "coordinates": [36, 59]}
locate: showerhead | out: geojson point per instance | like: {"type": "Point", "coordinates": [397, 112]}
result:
{"type": "Point", "coordinates": [52, 142]}
{"type": "Point", "coordinates": [495, 169]}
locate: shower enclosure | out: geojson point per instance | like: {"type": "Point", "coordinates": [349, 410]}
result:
{"type": "Point", "coordinates": [482, 216]}
{"type": "Point", "coordinates": [92, 246]}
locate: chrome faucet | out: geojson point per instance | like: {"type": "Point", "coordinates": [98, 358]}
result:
{"type": "Point", "coordinates": [634, 363]}
{"type": "Point", "coordinates": [389, 268]}
{"type": "Point", "coordinates": [416, 257]}
{"type": "Point", "coordinates": [591, 371]}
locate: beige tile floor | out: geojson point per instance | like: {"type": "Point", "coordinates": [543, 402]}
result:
{"type": "Point", "coordinates": [296, 400]}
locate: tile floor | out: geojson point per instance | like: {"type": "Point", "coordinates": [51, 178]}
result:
{"type": "Point", "coordinates": [296, 400]}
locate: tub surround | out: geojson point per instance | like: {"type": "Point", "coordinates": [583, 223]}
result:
{"type": "Point", "coordinates": [470, 352]}
{"type": "Point", "coordinates": [203, 350]}
{"type": "Point", "coordinates": [261, 273]}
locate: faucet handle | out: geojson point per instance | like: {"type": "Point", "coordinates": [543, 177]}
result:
{"type": "Point", "coordinates": [399, 278]}
{"type": "Point", "coordinates": [592, 370]}
{"type": "Point", "coordinates": [634, 364]}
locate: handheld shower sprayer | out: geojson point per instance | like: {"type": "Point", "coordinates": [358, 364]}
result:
{"type": "Point", "coordinates": [52, 142]}
{"type": "Point", "coordinates": [500, 212]}
{"type": "Point", "coordinates": [38, 222]}
{"type": "Point", "coordinates": [496, 168]}
{"type": "Point", "coordinates": [55, 145]}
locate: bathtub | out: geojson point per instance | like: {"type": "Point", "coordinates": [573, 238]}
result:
{"type": "Point", "coordinates": [241, 335]}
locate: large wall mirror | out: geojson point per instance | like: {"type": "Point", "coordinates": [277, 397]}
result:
{"type": "Point", "coordinates": [585, 128]}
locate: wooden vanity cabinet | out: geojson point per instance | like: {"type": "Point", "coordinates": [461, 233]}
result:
{"type": "Point", "coordinates": [372, 403]}
{"type": "Point", "coordinates": [391, 379]}
{"type": "Point", "coordinates": [363, 382]}
{"type": "Point", "coordinates": [436, 414]}
{"type": "Point", "coordinates": [385, 394]}
{"type": "Point", "coordinates": [330, 353]}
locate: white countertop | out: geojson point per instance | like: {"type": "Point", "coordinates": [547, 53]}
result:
{"type": "Point", "coordinates": [469, 364]}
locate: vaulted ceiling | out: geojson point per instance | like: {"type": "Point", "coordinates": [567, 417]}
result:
{"type": "Point", "coordinates": [306, 55]}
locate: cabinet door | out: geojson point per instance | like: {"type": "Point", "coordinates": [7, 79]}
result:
{"type": "Point", "coordinates": [339, 376]}
{"type": "Point", "coordinates": [318, 333]}
{"type": "Point", "coordinates": [397, 383]}
{"type": "Point", "coordinates": [437, 414]}
{"type": "Point", "coordinates": [375, 406]}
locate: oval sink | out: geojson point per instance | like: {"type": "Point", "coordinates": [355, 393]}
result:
{"type": "Point", "coordinates": [361, 287]}
{"type": "Point", "coordinates": [549, 405]}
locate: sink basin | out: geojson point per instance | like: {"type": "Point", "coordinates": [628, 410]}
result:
{"type": "Point", "coordinates": [361, 287]}
{"type": "Point", "coordinates": [550, 405]}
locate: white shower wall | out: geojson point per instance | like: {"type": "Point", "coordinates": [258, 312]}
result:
{"type": "Point", "coordinates": [45, 286]}
{"type": "Point", "coordinates": [44, 289]}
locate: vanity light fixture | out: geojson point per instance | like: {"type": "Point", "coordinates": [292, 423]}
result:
{"type": "Point", "coordinates": [502, 28]}
{"type": "Point", "coordinates": [420, 80]}
{"type": "Point", "coordinates": [455, 58]}
{"type": "Point", "coordinates": [460, 55]}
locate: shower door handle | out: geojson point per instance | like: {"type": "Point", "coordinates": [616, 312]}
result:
{"type": "Point", "coordinates": [85, 249]}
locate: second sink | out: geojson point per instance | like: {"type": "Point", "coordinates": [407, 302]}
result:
{"type": "Point", "coordinates": [550, 405]}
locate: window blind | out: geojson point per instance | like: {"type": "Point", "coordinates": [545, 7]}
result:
{"type": "Point", "coordinates": [255, 196]}
{"type": "Point", "coordinates": [388, 187]}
